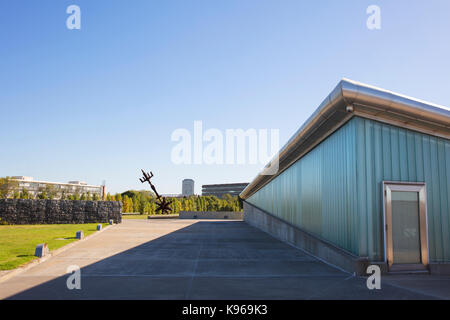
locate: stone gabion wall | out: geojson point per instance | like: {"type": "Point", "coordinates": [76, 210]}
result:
{"type": "Point", "coordinates": [21, 211]}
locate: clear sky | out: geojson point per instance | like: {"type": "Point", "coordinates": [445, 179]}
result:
{"type": "Point", "coordinates": [102, 102]}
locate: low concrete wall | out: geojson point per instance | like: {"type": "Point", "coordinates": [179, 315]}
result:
{"type": "Point", "coordinates": [163, 216]}
{"type": "Point", "coordinates": [21, 211]}
{"type": "Point", "coordinates": [319, 248]}
{"type": "Point", "coordinates": [442, 268]}
{"type": "Point", "coordinates": [211, 215]}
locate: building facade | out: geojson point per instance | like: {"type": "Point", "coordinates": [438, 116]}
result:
{"type": "Point", "coordinates": [34, 187]}
{"type": "Point", "coordinates": [187, 187]}
{"type": "Point", "coordinates": [366, 180]}
{"type": "Point", "coordinates": [219, 190]}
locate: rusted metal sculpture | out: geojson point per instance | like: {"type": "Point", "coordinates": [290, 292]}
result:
{"type": "Point", "coordinates": [163, 204]}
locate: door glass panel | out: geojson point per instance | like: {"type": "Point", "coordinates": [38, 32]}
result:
{"type": "Point", "coordinates": [406, 227]}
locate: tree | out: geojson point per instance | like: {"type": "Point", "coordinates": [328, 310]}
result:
{"type": "Point", "coordinates": [176, 205]}
{"type": "Point", "coordinates": [7, 187]}
{"type": "Point", "coordinates": [136, 203]}
{"type": "Point", "coordinates": [127, 204]}
{"type": "Point", "coordinates": [51, 191]}
{"type": "Point", "coordinates": [76, 194]}
{"type": "Point", "coordinates": [25, 194]}
{"type": "Point", "coordinates": [143, 201]}
{"type": "Point", "coordinates": [132, 193]}
{"type": "Point", "coordinates": [42, 195]}
{"type": "Point", "coordinates": [150, 208]}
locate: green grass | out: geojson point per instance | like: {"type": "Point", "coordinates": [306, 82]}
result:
{"type": "Point", "coordinates": [17, 243]}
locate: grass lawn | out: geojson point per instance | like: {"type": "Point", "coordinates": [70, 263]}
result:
{"type": "Point", "coordinates": [17, 243]}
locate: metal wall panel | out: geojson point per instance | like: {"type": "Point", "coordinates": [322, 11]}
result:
{"type": "Point", "coordinates": [389, 153]}
{"type": "Point", "coordinates": [335, 191]}
{"type": "Point", "coordinates": [317, 192]}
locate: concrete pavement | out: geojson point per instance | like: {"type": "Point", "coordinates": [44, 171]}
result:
{"type": "Point", "coordinates": [195, 259]}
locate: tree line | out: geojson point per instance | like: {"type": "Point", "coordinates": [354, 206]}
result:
{"type": "Point", "coordinates": [144, 202]}
{"type": "Point", "coordinates": [141, 202]}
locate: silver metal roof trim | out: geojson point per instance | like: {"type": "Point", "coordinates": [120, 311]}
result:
{"type": "Point", "coordinates": [318, 115]}
{"type": "Point", "coordinates": [389, 100]}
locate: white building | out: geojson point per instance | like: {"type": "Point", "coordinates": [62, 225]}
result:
{"type": "Point", "coordinates": [34, 187]}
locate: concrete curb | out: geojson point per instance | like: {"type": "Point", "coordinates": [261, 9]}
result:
{"type": "Point", "coordinates": [54, 253]}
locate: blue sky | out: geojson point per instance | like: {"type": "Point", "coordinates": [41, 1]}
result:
{"type": "Point", "coordinates": [101, 102]}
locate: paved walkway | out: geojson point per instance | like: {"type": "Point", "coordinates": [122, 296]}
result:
{"type": "Point", "coordinates": [194, 259]}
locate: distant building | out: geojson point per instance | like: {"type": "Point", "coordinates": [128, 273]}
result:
{"type": "Point", "coordinates": [219, 190]}
{"type": "Point", "coordinates": [187, 188]}
{"type": "Point", "coordinates": [172, 195]}
{"type": "Point", "coordinates": [34, 187]}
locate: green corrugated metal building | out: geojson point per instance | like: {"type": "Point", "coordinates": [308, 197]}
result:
{"type": "Point", "coordinates": [366, 180]}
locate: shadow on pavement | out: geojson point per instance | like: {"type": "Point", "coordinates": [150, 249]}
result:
{"type": "Point", "coordinates": [216, 260]}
